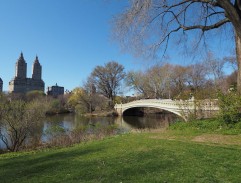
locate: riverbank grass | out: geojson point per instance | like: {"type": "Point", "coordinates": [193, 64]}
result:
{"type": "Point", "coordinates": [136, 157]}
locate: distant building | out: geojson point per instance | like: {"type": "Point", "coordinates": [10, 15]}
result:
{"type": "Point", "coordinates": [20, 83]}
{"type": "Point", "coordinates": [1, 85]}
{"type": "Point", "coordinates": [55, 90]}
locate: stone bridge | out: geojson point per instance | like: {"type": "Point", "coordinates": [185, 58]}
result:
{"type": "Point", "coordinates": [182, 108]}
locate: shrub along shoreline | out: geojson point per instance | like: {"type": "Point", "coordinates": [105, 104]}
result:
{"type": "Point", "coordinates": [213, 125]}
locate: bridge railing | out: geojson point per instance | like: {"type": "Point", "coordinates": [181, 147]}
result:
{"type": "Point", "coordinates": [183, 108]}
{"type": "Point", "coordinates": [172, 104]}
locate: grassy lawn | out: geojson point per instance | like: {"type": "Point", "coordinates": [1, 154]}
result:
{"type": "Point", "coordinates": [161, 156]}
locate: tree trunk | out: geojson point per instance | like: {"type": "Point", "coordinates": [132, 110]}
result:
{"type": "Point", "coordinates": [238, 44]}
{"type": "Point", "coordinates": [238, 55]}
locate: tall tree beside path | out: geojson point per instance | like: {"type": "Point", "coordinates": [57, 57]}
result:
{"type": "Point", "coordinates": [154, 22]}
{"type": "Point", "coordinates": [107, 79]}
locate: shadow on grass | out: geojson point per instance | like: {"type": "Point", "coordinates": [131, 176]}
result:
{"type": "Point", "coordinates": [40, 164]}
{"type": "Point", "coordinates": [91, 164]}
{"type": "Point", "coordinates": [132, 158]}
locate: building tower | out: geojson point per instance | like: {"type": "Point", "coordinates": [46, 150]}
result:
{"type": "Point", "coordinates": [21, 68]}
{"type": "Point", "coordinates": [1, 85]}
{"type": "Point", "coordinates": [20, 83]}
{"type": "Point", "coordinates": [37, 70]}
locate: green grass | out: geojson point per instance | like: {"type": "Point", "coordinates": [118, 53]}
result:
{"type": "Point", "coordinates": [139, 157]}
{"type": "Point", "coordinates": [207, 126]}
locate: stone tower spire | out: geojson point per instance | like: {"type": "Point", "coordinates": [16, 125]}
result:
{"type": "Point", "coordinates": [21, 68]}
{"type": "Point", "coordinates": [37, 70]}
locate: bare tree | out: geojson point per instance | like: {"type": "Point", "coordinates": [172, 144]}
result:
{"type": "Point", "coordinates": [178, 80]}
{"type": "Point", "coordinates": [159, 81]}
{"type": "Point", "coordinates": [173, 81]}
{"type": "Point", "coordinates": [136, 80]}
{"type": "Point", "coordinates": [215, 66]}
{"type": "Point", "coordinates": [107, 79]}
{"type": "Point", "coordinates": [159, 77]}
{"type": "Point", "coordinates": [215, 69]}
{"type": "Point", "coordinates": [196, 76]}
{"type": "Point", "coordinates": [89, 95]}
{"type": "Point", "coordinates": [231, 80]}
{"type": "Point", "coordinates": [90, 98]}
{"type": "Point", "coordinates": [155, 22]}
{"type": "Point", "coordinates": [152, 83]}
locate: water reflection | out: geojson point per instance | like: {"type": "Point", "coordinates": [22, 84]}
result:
{"type": "Point", "coordinates": [69, 122]}
{"type": "Point", "coordinates": [153, 121]}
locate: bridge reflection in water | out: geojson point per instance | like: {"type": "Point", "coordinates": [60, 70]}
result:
{"type": "Point", "coordinates": [150, 121]}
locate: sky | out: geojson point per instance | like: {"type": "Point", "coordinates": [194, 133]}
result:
{"type": "Point", "coordinates": [70, 38]}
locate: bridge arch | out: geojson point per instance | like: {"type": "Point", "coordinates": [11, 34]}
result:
{"type": "Point", "coordinates": [181, 108]}
{"type": "Point", "coordinates": [153, 106]}
{"type": "Point", "coordinates": [166, 104]}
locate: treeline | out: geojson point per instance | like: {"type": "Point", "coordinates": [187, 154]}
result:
{"type": "Point", "coordinates": [203, 80]}
{"type": "Point", "coordinates": [104, 87]}
{"type": "Point", "coordinates": [58, 104]}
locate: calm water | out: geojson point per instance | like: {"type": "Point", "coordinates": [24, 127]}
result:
{"type": "Point", "coordinates": [69, 122]}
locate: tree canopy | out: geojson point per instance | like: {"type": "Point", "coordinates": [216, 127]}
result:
{"type": "Point", "coordinates": [107, 79]}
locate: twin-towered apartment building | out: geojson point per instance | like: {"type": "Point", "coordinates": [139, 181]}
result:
{"type": "Point", "coordinates": [22, 84]}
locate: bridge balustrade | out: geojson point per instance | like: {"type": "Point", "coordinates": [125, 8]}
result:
{"type": "Point", "coordinates": [179, 107]}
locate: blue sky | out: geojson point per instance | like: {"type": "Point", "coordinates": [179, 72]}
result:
{"type": "Point", "coordinates": [70, 37]}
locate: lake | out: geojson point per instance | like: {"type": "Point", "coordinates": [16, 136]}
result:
{"type": "Point", "coordinates": [69, 122]}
